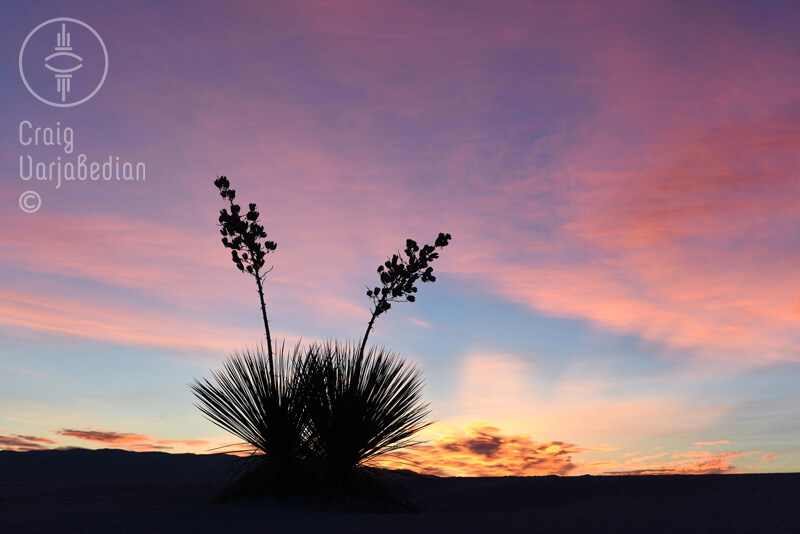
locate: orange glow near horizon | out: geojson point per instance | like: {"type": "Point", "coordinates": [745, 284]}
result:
{"type": "Point", "coordinates": [479, 450]}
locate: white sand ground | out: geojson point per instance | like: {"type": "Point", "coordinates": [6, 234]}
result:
{"type": "Point", "coordinates": [116, 500]}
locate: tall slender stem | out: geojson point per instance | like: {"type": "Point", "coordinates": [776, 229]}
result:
{"type": "Point", "coordinates": [266, 326]}
{"type": "Point", "coordinates": [366, 334]}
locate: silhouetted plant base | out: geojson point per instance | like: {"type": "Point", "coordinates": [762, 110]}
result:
{"type": "Point", "coordinates": [329, 411]}
{"type": "Point", "coordinates": [359, 489]}
{"type": "Point", "coordinates": [383, 488]}
{"type": "Point", "coordinates": [257, 476]}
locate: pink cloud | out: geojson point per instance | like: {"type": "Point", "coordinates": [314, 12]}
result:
{"type": "Point", "coordinates": [103, 436]}
{"type": "Point", "coordinates": [655, 222]}
{"type": "Point", "coordinates": [118, 251]}
{"type": "Point", "coordinates": [21, 443]}
{"type": "Point", "coordinates": [692, 454]}
{"type": "Point", "coordinates": [717, 464]}
{"type": "Point", "coordinates": [141, 327]}
{"type": "Point", "coordinates": [130, 441]}
{"type": "Point", "coordinates": [652, 179]}
{"type": "Point", "coordinates": [486, 451]}
{"type": "Point", "coordinates": [501, 388]}
{"type": "Point", "coordinates": [702, 443]}
{"type": "Point", "coordinates": [37, 439]}
{"type": "Point", "coordinates": [688, 251]}
{"type": "Point", "coordinates": [649, 457]}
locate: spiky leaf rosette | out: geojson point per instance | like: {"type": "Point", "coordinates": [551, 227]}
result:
{"type": "Point", "coordinates": [360, 407]}
{"type": "Point", "coordinates": [269, 415]}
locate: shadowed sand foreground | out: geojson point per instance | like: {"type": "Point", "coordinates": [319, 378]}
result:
{"type": "Point", "coordinates": [111, 491]}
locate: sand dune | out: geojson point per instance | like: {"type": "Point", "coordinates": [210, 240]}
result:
{"type": "Point", "coordinates": [111, 491]}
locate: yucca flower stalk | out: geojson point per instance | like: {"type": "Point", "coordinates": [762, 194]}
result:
{"type": "Point", "coordinates": [398, 276]}
{"type": "Point", "coordinates": [247, 239]}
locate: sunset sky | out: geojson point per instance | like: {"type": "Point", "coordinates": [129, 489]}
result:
{"type": "Point", "coordinates": [621, 180]}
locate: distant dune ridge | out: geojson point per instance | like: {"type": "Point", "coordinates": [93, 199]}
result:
{"type": "Point", "coordinates": [110, 464]}
{"type": "Point", "coordinates": [108, 490]}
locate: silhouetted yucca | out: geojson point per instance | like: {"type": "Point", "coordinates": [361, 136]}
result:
{"type": "Point", "coordinates": [268, 412]}
{"type": "Point", "coordinates": [360, 407]}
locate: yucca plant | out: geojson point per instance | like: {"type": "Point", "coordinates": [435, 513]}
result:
{"type": "Point", "coordinates": [267, 411]}
{"type": "Point", "coordinates": [313, 417]}
{"type": "Point", "coordinates": [360, 406]}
